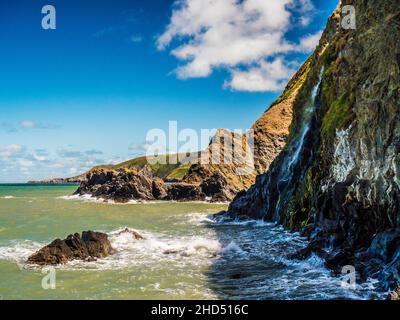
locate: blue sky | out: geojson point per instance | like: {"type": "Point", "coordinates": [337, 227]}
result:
{"type": "Point", "coordinates": [85, 93]}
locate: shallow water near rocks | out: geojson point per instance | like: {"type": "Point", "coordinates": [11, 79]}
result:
{"type": "Point", "coordinates": [185, 254]}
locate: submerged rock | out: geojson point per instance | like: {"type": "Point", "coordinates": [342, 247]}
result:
{"type": "Point", "coordinates": [135, 235]}
{"type": "Point", "coordinates": [89, 246]}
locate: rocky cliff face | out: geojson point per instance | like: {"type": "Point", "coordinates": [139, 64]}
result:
{"type": "Point", "coordinates": [218, 175]}
{"type": "Point", "coordinates": [338, 178]}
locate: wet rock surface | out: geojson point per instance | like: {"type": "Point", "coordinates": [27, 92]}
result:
{"type": "Point", "coordinates": [135, 235]}
{"type": "Point", "coordinates": [338, 178]}
{"type": "Point", "coordinates": [88, 247]}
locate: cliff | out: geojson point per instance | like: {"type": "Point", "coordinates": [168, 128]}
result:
{"type": "Point", "coordinates": [270, 135]}
{"type": "Point", "coordinates": [338, 178]}
{"type": "Point", "coordinates": [215, 180]}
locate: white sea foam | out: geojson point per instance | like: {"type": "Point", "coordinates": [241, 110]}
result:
{"type": "Point", "coordinates": [250, 222]}
{"type": "Point", "coordinates": [8, 197]}
{"type": "Point", "coordinates": [18, 251]}
{"type": "Point", "coordinates": [232, 248]}
{"type": "Point", "coordinates": [153, 250]}
{"type": "Point", "coordinates": [158, 251]}
{"type": "Point", "coordinates": [199, 218]}
{"type": "Point", "coordinates": [90, 198]}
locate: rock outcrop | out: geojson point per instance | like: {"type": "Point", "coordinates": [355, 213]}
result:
{"type": "Point", "coordinates": [271, 130]}
{"type": "Point", "coordinates": [185, 192]}
{"type": "Point", "coordinates": [123, 185]}
{"type": "Point", "coordinates": [215, 188]}
{"type": "Point", "coordinates": [215, 174]}
{"type": "Point", "coordinates": [88, 247]}
{"type": "Point", "coordinates": [338, 178]}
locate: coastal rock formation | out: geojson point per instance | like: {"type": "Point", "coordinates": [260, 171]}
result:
{"type": "Point", "coordinates": [123, 185]}
{"type": "Point", "coordinates": [90, 246]}
{"type": "Point", "coordinates": [227, 171]}
{"type": "Point", "coordinates": [338, 178]}
{"type": "Point", "coordinates": [76, 179]}
{"type": "Point", "coordinates": [271, 130]}
{"type": "Point", "coordinates": [217, 173]}
{"type": "Point", "coordinates": [135, 235]}
{"type": "Point", "coordinates": [214, 189]}
{"type": "Point", "coordinates": [185, 191]}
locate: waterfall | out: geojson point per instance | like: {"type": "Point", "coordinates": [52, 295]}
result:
{"type": "Point", "coordinates": [291, 161]}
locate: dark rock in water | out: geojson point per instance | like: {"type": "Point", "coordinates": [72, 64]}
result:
{"type": "Point", "coordinates": [123, 185]}
{"type": "Point", "coordinates": [385, 245]}
{"type": "Point", "coordinates": [171, 251]}
{"type": "Point", "coordinates": [338, 260]}
{"type": "Point", "coordinates": [88, 247]}
{"type": "Point", "coordinates": [382, 258]}
{"type": "Point", "coordinates": [312, 248]}
{"type": "Point", "coordinates": [135, 235]}
{"type": "Point", "coordinates": [185, 192]}
{"type": "Point", "coordinates": [217, 188]}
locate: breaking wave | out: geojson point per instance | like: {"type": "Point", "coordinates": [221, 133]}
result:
{"type": "Point", "coordinates": [90, 198]}
{"type": "Point", "coordinates": [247, 260]}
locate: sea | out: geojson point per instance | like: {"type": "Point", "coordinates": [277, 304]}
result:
{"type": "Point", "coordinates": [185, 253]}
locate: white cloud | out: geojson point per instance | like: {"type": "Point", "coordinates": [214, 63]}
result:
{"type": "Point", "coordinates": [305, 21]}
{"type": "Point", "coordinates": [25, 163]}
{"type": "Point", "coordinates": [10, 150]}
{"type": "Point", "coordinates": [144, 147]}
{"type": "Point", "coordinates": [30, 124]}
{"type": "Point", "coordinates": [19, 161]}
{"type": "Point", "coordinates": [263, 77]}
{"type": "Point", "coordinates": [27, 124]}
{"type": "Point", "coordinates": [238, 36]}
{"type": "Point", "coordinates": [73, 170]}
{"type": "Point", "coordinates": [39, 157]}
{"type": "Point", "coordinates": [310, 42]}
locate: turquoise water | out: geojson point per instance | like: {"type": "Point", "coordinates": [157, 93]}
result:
{"type": "Point", "coordinates": [185, 254]}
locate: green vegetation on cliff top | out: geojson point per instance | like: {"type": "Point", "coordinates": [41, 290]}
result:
{"type": "Point", "coordinates": [167, 170]}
